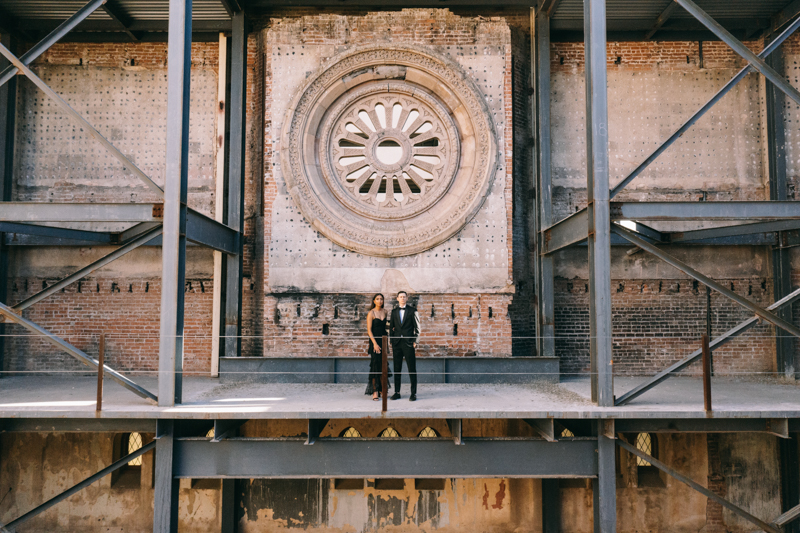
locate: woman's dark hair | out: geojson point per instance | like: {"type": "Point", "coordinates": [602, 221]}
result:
{"type": "Point", "coordinates": [371, 307]}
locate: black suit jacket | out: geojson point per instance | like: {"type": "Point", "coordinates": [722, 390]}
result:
{"type": "Point", "coordinates": [409, 328]}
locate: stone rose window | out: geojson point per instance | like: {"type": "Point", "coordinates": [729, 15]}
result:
{"type": "Point", "coordinates": [388, 151]}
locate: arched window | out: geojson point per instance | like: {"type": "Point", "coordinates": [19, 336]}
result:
{"type": "Point", "coordinates": [350, 432]}
{"type": "Point", "coordinates": [644, 443]}
{"type": "Point", "coordinates": [389, 433]}
{"type": "Point", "coordinates": [134, 443]}
{"type": "Point", "coordinates": [567, 433]}
{"type": "Point", "coordinates": [210, 434]}
{"type": "Point", "coordinates": [428, 433]}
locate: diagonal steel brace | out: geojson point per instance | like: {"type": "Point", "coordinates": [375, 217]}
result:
{"type": "Point", "coordinates": [695, 355]}
{"type": "Point", "coordinates": [737, 46]}
{"type": "Point", "coordinates": [116, 465]}
{"type": "Point", "coordinates": [52, 38]}
{"type": "Point", "coordinates": [58, 342]}
{"type": "Point", "coordinates": [705, 280]}
{"type": "Point", "coordinates": [698, 487]}
{"type": "Point", "coordinates": [771, 47]}
{"type": "Point", "coordinates": [85, 271]}
{"type": "Point", "coordinates": [82, 121]}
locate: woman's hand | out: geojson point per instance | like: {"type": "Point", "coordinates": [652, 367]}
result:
{"type": "Point", "coordinates": [377, 348]}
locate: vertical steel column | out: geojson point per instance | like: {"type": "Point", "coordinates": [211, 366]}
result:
{"type": "Point", "coordinates": [173, 249]}
{"type": "Point", "coordinates": [544, 193]}
{"type": "Point", "coordinates": [228, 512]}
{"type": "Point", "coordinates": [8, 108]}
{"type": "Point", "coordinates": [551, 506]}
{"type": "Point", "coordinates": [594, 14]}
{"type": "Point", "coordinates": [604, 487]}
{"type": "Point", "coordinates": [781, 266]}
{"type": "Point", "coordinates": [165, 508]}
{"type": "Point", "coordinates": [233, 264]}
{"type": "Point", "coordinates": [790, 478]}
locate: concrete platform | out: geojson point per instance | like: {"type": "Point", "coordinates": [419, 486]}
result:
{"type": "Point", "coordinates": [206, 398]}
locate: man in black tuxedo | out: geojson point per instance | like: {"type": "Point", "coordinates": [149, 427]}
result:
{"type": "Point", "coordinates": [404, 327]}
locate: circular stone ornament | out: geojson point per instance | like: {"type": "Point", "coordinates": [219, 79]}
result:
{"type": "Point", "coordinates": [389, 151]}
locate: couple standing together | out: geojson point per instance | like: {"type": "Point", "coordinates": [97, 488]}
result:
{"type": "Point", "coordinates": [402, 327]}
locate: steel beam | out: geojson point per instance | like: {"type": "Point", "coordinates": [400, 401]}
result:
{"type": "Point", "coordinates": [544, 193]}
{"type": "Point", "coordinates": [53, 37]}
{"type": "Point", "coordinates": [8, 112]}
{"type": "Point", "coordinates": [231, 6]}
{"type": "Point", "coordinates": [708, 282]}
{"type": "Point", "coordinates": [115, 12]}
{"type": "Point", "coordinates": [662, 18]}
{"type": "Point", "coordinates": [699, 488]}
{"type": "Point", "coordinates": [455, 426]}
{"type": "Point", "coordinates": [783, 17]}
{"type": "Point", "coordinates": [385, 458]}
{"type": "Point", "coordinates": [771, 47]}
{"type": "Point", "coordinates": [781, 262]}
{"type": "Point", "coordinates": [228, 506]}
{"type": "Point", "coordinates": [790, 484]}
{"type": "Point", "coordinates": [173, 251]}
{"type": "Point", "coordinates": [543, 427]}
{"type": "Point", "coordinates": [133, 232]}
{"type": "Point", "coordinates": [233, 264]}
{"type": "Point", "coordinates": [730, 231]}
{"type": "Point", "coordinates": [682, 211]}
{"type": "Point", "coordinates": [548, 7]}
{"type": "Point", "coordinates": [725, 36]}
{"type": "Point", "coordinates": [167, 486]}
{"type": "Point", "coordinates": [116, 465]}
{"type": "Point", "coordinates": [598, 202]}
{"type": "Point", "coordinates": [57, 233]}
{"type": "Point", "coordinates": [206, 231]}
{"type": "Point", "coordinates": [85, 271]}
{"type": "Point", "coordinates": [551, 506]}
{"type": "Point", "coordinates": [604, 486]}
{"type": "Point", "coordinates": [224, 428]}
{"type": "Point", "coordinates": [315, 427]}
{"type": "Point", "coordinates": [695, 355]}
{"type": "Point", "coordinates": [60, 343]}
{"type": "Point", "coordinates": [787, 517]}
{"type": "Point", "coordinates": [47, 212]}
{"type": "Point", "coordinates": [88, 128]}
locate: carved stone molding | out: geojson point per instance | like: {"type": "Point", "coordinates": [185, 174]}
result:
{"type": "Point", "coordinates": [389, 151]}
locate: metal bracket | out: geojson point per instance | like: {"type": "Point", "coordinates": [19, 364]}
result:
{"type": "Point", "coordinates": [224, 428]}
{"type": "Point", "coordinates": [544, 427]}
{"type": "Point", "coordinates": [455, 429]}
{"type": "Point", "coordinates": [778, 427]}
{"type": "Point", "coordinates": [315, 427]}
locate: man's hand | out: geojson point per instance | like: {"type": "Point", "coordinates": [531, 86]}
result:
{"type": "Point", "coordinates": [415, 345]}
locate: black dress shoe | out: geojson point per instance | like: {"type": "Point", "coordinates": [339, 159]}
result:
{"type": "Point", "coordinates": [413, 398]}
{"type": "Point", "coordinates": [395, 396]}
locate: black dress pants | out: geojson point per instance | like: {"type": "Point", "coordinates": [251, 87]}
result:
{"type": "Point", "coordinates": [400, 349]}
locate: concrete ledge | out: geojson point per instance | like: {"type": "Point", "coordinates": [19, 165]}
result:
{"type": "Point", "coordinates": [350, 370]}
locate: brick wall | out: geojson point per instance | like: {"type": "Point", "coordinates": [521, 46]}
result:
{"type": "Point", "coordinates": [658, 322]}
{"type": "Point", "coordinates": [335, 324]}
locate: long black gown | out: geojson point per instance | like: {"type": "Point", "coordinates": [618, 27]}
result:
{"type": "Point", "coordinates": [375, 361]}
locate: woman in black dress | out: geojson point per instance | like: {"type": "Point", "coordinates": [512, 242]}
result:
{"type": "Point", "coordinates": [376, 328]}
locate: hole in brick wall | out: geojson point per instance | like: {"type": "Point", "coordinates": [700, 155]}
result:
{"type": "Point", "coordinates": [98, 287]}
{"type": "Point", "coordinates": [298, 309]}
{"type": "Point", "coordinates": [44, 284]}
{"type": "Point", "coordinates": [621, 287]}
{"type": "Point", "coordinates": [114, 286]}
{"type": "Point", "coordinates": [732, 286]}
{"type": "Point", "coordinates": [561, 60]}
{"type": "Point", "coordinates": [750, 290]}
{"type": "Point", "coordinates": [618, 60]}
{"type": "Point", "coordinates": [455, 330]}
{"type": "Point", "coordinates": [147, 287]}
{"type": "Point", "coordinates": [433, 311]}
{"type": "Point", "coordinates": [80, 284]}
{"type": "Point", "coordinates": [130, 287]}
{"type": "Point", "coordinates": [660, 285]}
{"type": "Point", "coordinates": [470, 311]}
{"type": "Point", "coordinates": [764, 285]}
{"type": "Point", "coordinates": [696, 287]}
{"type": "Point", "coordinates": [326, 329]}
{"type": "Point", "coordinates": [490, 312]}
{"type": "Point", "coordinates": [335, 312]}
{"type": "Point", "coordinates": [133, 62]}
{"type": "Point", "coordinates": [452, 310]}
{"type": "Point", "coordinates": [687, 60]}
{"type": "Point", "coordinates": [202, 287]}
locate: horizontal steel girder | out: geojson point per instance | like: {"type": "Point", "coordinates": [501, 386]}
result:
{"type": "Point", "coordinates": [385, 458]}
{"type": "Point", "coordinates": [699, 488]}
{"type": "Point", "coordinates": [200, 229]}
{"type": "Point", "coordinates": [566, 232]}
{"type": "Point", "coordinates": [705, 280]}
{"type": "Point", "coordinates": [60, 343]}
{"type": "Point", "coordinates": [704, 210]}
{"type": "Point", "coordinates": [695, 425]}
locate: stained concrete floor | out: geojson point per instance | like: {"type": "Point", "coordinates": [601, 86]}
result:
{"type": "Point", "coordinates": [680, 397]}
